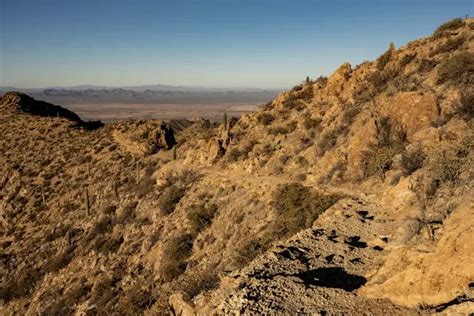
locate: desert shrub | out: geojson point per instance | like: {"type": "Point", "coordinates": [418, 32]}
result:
{"type": "Point", "coordinates": [265, 118]}
{"type": "Point", "coordinates": [327, 141]}
{"type": "Point", "coordinates": [287, 129]}
{"type": "Point", "coordinates": [293, 101]}
{"type": "Point", "coordinates": [321, 80]}
{"type": "Point", "coordinates": [102, 226]}
{"type": "Point", "coordinates": [458, 69]}
{"type": "Point", "coordinates": [380, 79]}
{"type": "Point", "coordinates": [466, 105]}
{"type": "Point", "coordinates": [349, 114]}
{"type": "Point", "coordinates": [248, 147]}
{"type": "Point", "coordinates": [426, 65]}
{"type": "Point", "coordinates": [298, 207]}
{"type": "Point", "coordinates": [444, 163]}
{"type": "Point", "coordinates": [175, 253]}
{"type": "Point", "coordinates": [109, 209]}
{"type": "Point", "coordinates": [310, 122]}
{"type": "Point", "coordinates": [338, 168]}
{"type": "Point", "coordinates": [59, 261]}
{"type": "Point", "coordinates": [233, 154]}
{"type": "Point", "coordinates": [58, 232]}
{"type": "Point", "coordinates": [201, 215]}
{"type": "Point", "coordinates": [412, 160]}
{"type": "Point", "coordinates": [406, 59]}
{"type": "Point", "coordinates": [19, 285]}
{"type": "Point", "coordinates": [169, 198]}
{"type": "Point", "coordinates": [104, 294]}
{"type": "Point", "coordinates": [379, 160]}
{"type": "Point", "coordinates": [389, 133]}
{"type": "Point", "coordinates": [363, 92]}
{"type": "Point", "coordinates": [250, 249]}
{"type": "Point", "coordinates": [451, 25]}
{"type": "Point", "coordinates": [77, 291]}
{"type": "Point", "coordinates": [449, 45]}
{"type": "Point", "coordinates": [136, 299]}
{"type": "Point", "coordinates": [108, 244]}
{"type": "Point", "coordinates": [307, 92]}
{"type": "Point", "coordinates": [198, 282]}
{"type": "Point", "coordinates": [383, 59]}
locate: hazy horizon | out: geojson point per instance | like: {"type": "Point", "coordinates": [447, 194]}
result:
{"type": "Point", "coordinates": [213, 44]}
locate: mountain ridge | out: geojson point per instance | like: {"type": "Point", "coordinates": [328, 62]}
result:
{"type": "Point", "coordinates": [349, 194]}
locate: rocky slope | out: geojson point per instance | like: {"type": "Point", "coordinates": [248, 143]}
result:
{"type": "Point", "coordinates": [347, 194]}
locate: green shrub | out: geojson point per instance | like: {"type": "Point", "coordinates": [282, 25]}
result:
{"type": "Point", "coordinates": [451, 25]}
{"type": "Point", "coordinates": [298, 207]}
{"type": "Point", "coordinates": [444, 163]}
{"type": "Point", "coordinates": [412, 160]}
{"type": "Point", "coordinates": [175, 253]}
{"type": "Point", "coordinates": [458, 69]}
{"type": "Point", "coordinates": [170, 198]}
{"type": "Point", "coordinates": [379, 160]}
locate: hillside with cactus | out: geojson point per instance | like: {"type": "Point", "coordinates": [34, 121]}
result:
{"type": "Point", "coordinates": [347, 194]}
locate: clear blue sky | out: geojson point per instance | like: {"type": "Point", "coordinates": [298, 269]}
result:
{"type": "Point", "coordinates": [216, 43]}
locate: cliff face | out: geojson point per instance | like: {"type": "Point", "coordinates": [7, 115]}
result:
{"type": "Point", "coordinates": [348, 194]}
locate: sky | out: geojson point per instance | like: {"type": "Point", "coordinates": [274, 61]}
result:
{"type": "Point", "coordinates": [209, 43]}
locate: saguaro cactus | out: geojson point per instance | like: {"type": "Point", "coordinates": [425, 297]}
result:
{"type": "Point", "coordinates": [43, 197]}
{"type": "Point", "coordinates": [137, 163]}
{"type": "Point", "coordinates": [86, 201]}
{"type": "Point", "coordinates": [115, 189]}
{"type": "Point", "coordinates": [225, 120]}
{"type": "Point", "coordinates": [175, 156]}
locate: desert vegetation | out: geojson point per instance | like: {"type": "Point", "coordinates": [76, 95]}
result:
{"type": "Point", "coordinates": [278, 210]}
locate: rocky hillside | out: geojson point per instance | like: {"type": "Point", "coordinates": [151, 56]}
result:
{"type": "Point", "coordinates": [347, 194]}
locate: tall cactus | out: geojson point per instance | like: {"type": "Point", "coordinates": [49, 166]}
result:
{"type": "Point", "coordinates": [137, 163]}
{"type": "Point", "coordinates": [43, 197]}
{"type": "Point", "coordinates": [115, 189]}
{"type": "Point", "coordinates": [175, 155]}
{"type": "Point", "coordinates": [86, 201]}
{"type": "Point", "coordinates": [225, 121]}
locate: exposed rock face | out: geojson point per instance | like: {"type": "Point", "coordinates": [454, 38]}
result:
{"type": "Point", "coordinates": [26, 104]}
{"type": "Point", "coordinates": [161, 137]}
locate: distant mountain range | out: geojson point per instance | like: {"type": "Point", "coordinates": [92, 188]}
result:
{"type": "Point", "coordinates": [146, 94]}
